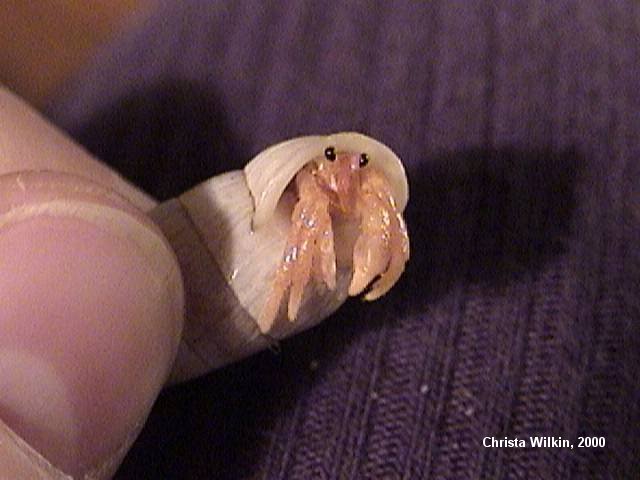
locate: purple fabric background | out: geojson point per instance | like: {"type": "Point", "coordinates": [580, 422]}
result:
{"type": "Point", "coordinates": [519, 123]}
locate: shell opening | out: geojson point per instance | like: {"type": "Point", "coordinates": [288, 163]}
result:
{"type": "Point", "coordinates": [271, 171]}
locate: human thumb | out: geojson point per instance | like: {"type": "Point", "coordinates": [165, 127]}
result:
{"type": "Point", "coordinates": [91, 308]}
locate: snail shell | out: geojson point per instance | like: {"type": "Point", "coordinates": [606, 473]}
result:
{"type": "Point", "coordinates": [229, 234]}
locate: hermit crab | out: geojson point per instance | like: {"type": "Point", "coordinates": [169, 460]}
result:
{"type": "Point", "coordinates": [307, 223]}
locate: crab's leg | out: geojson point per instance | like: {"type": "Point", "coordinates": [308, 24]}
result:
{"type": "Point", "coordinates": [302, 246]}
{"type": "Point", "coordinates": [325, 266]}
{"type": "Point", "coordinates": [383, 245]}
{"type": "Point", "coordinates": [399, 248]}
{"type": "Point", "coordinates": [309, 249]}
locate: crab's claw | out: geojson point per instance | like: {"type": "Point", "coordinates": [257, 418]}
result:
{"type": "Point", "coordinates": [382, 249]}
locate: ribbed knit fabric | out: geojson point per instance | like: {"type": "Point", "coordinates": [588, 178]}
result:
{"type": "Point", "coordinates": [518, 315]}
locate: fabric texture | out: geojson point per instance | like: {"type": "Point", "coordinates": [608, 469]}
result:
{"type": "Point", "coordinates": [519, 125]}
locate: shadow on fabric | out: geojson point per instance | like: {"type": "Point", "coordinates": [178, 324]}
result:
{"type": "Point", "coordinates": [164, 139]}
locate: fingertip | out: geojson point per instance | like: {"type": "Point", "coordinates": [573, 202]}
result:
{"type": "Point", "coordinates": [89, 323]}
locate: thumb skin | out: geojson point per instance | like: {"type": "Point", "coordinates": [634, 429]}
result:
{"type": "Point", "coordinates": [91, 309]}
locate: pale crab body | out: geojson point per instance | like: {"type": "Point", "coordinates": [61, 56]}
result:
{"type": "Point", "coordinates": [339, 186]}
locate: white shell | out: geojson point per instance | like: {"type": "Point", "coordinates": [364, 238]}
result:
{"type": "Point", "coordinates": [269, 173]}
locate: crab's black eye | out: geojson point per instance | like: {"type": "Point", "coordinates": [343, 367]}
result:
{"type": "Point", "coordinates": [364, 160]}
{"type": "Point", "coordinates": [330, 153]}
